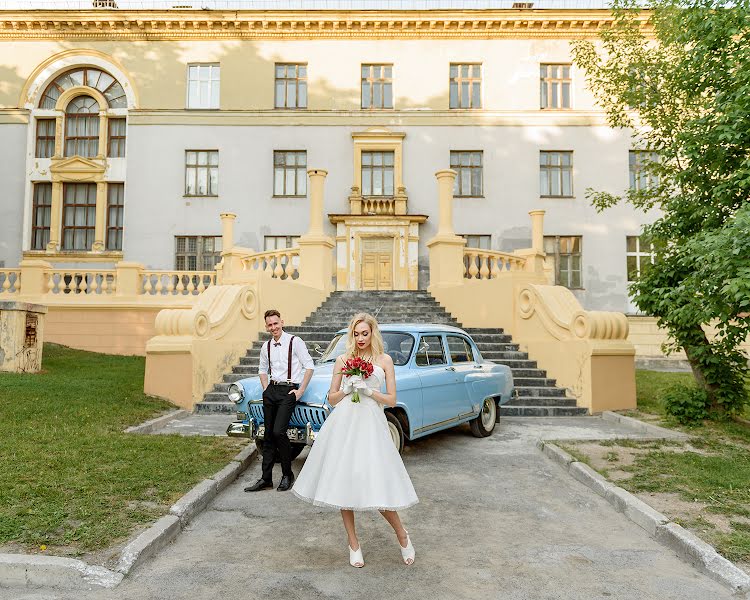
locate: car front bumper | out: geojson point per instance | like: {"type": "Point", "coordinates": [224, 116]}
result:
{"type": "Point", "coordinates": [248, 428]}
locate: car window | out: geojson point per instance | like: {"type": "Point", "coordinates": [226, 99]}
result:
{"type": "Point", "coordinates": [430, 351]}
{"type": "Point", "coordinates": [397, 345]}
{"type": "Point", "coordinates": [459, 349]}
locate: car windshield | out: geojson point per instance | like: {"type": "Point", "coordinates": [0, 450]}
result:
{"type": "Point", "coordinates": [397, 345]}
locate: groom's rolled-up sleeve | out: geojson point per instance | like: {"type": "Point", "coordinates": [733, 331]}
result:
{"type": "Point", "coordinates": [263, 361]}
{"type": "Point", "coordinates": [303, 355]}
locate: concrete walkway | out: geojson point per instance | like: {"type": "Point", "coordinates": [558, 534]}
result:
{"type": "Point", "coordinates": [496, 520]}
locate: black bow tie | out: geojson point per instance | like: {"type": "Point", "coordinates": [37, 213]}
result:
{"type": "Point", "coordinates": [277, 343]}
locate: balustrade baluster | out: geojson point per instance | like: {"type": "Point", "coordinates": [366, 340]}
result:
{"type": "Point", "coordinates": [484, 270]}
{"type": "Point", "coordinates": [147, 287]}
{"type": "Point", "coordinates": [180, 287]}
{"type": "Point", "coordinates": [473, 269]}
{"type": "Point", "coordinates": [201, 287]}
{"type": "Point", "coordinates": [6, 283]}
{"type": "Point", "coordinates": [93, 286]}
{"type": "Point", "coordinates": [191, 285]}
{"type": "Point", "coordinates": [82, 287]}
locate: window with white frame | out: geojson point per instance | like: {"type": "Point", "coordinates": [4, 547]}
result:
{"type": "Point", "coordinates": [289, 173]}
{"type": "Point", "coordinates": [290, 86]}
{"type": "Point", "coordinates": [639, 253]}
{"type": "Point", "coordinates": [203, 85]}
{"type": "Point", "coordinates": [41, 215]}
{"type": "Point", "coordinates": [79, 216]}
{"type": "Point", "coordinates": [82, 127]}
{"type": "Point", "coordinates": [279, 242]}
{"type": "Point", "coordinates": [556, 174]}
{"type": "Point", "coordinates": [116, 142]}
{"type": "Point", "coordinates": [465, 85]}
{"type": "Point", "coordinates": [115, 209]}
{"type": "Point", "coordinates": [377, 173]}
{"type": "Point", "coordinates": [468, 168]}
{"type": "Point", "coordinates": [640, 176]}
{"type": "Point", "coordinates": [377, 86]}
{"type": "Point", "coordinates": [565, 253]}
{"type": "Point", "coordinates": [197, 252]}
{"type": "Point", "coordinates": [201, 172]}
{"type": "Point", "coordinates": [555, 84]}
{"type": "Point", "coordinates": [45, 138]}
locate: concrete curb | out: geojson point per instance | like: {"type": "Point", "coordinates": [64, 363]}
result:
{"type": "Point", "coordinates": [687, 546]}
{"type": "Point", "coordinates": [158, 423]}
{"type": "Point", "coordinates": [652, 430]}
{"type": "Point", "coordinates": [33, 571]}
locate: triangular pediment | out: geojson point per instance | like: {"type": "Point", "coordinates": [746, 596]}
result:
{"type": "Point", "coordinates": [76, 164]}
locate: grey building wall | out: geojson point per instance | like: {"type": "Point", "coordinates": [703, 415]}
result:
{"type": "Point", "coordinates": [12, 174]}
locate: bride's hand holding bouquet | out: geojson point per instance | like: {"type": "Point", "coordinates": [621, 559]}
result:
{"type": "Point", "coordinates": [356, 370]}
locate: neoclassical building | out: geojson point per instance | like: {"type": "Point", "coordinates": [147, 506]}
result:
{"type": "Point", "coordinates": [124, 134]}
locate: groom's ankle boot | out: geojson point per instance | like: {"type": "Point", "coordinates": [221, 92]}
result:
{"type": "Point", "coordinates": [286, 483]}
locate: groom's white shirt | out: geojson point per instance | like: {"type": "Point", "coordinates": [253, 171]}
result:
{"type": "Point", "coordinates": [301, 359]}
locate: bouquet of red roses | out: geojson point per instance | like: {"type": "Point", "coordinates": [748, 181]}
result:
{"type": "Point", "coordinates": [357, 367]}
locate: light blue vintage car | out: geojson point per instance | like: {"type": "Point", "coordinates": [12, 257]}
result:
{"type": "Point", "coordinates": [441, 381]}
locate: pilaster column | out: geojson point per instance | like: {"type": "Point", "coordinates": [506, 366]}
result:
{"type": "Point", "coordinates": [59, 134]}
{"type": "Point", "coordinates": [102, 152]}
{"type": "Point", "coordinates": [446, 248]}
{"type": "Point", "coordinates": [101, 217]}
{"type": "Point", "coordinates": [537, 230]}
{"type": "Point", "coordinates": [227, 231]}
{"type": "Point", "coordinates": [446, 179]}
{"type": "Point", "coordinates": [317, 181]}
{"type": "Point", "coordinates": [55, 223]}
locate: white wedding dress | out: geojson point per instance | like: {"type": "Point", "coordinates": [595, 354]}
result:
{"type": "Point", "coordinates": [353, 463]}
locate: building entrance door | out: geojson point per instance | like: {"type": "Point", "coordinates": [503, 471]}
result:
{"type": "Point", "coordinates": [377, 264]}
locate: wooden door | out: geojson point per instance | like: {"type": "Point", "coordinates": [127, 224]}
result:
{"type": "Point", "coordinates": [377, 264]}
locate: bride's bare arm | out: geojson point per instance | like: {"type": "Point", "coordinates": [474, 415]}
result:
{"type": "Point", "coordinates": [389, 398]}
{"type": "Point", "coordinates": [335, 395]}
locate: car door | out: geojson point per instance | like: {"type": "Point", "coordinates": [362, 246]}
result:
{"type": "Point", "coordinates": [439, 382]}
{"type": "Point", "coordinates": [462, 359]}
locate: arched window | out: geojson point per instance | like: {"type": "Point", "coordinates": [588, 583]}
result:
{"type": "Point", "coordinates": [82, 127]}
{"type": "Point", "coordinates": [86, 76]}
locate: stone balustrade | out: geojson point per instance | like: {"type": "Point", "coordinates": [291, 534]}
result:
{"type": "Point", "coordinates": [10, 281]}
{"type": "Point", "coordinates": [489, 264]}
{"type": "Point", "coordinates": [276, 264]}
{"type": "Point", "coordinates": [81, 281]}
{"type": "Point", "coordinates": [171, 283]}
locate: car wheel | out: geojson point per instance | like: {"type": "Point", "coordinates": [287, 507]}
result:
{"type": "Point", "coordinates": [296, 450]}
{"type": "Point", "coordinates": [484, 424]}
{"type": "Point", "coordinates": [397, 432]}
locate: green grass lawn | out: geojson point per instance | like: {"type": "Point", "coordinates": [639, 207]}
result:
{"type": "Point", "coordinates": [69, 476]}
{"type": "Point", "coordinates": [712, 469]}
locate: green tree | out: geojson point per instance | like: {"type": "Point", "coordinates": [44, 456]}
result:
{"type": "Point", "coordinates": [677, 74]}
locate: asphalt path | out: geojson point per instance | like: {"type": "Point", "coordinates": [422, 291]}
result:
{"type": "Point", "coordinates": [496, 519]}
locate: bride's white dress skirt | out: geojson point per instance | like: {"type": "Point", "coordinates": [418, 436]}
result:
{"type": "Point", "coordinates": [353, 463]}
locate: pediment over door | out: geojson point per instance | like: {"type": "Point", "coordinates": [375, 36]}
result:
{"type": "Point", "coordinates": [77, 168]}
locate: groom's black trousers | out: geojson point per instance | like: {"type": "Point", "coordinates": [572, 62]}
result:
{"type": "Point", "coordinates": [278, 405]}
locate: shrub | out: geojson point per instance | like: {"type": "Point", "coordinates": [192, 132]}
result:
{"type": "Point", "coordinates": [688, 404]}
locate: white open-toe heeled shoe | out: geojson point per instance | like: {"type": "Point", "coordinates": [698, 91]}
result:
{"type": "Point", "coordinates": [407, 553]}
{"type": "Point", "coordinates": [355, 557]}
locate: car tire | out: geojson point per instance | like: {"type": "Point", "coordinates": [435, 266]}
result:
{"type": "Point", "coordinates": [396, 431]}
{"type": "Point", "coordinates": [296, 450]}
{"type": "Point", "coordinates": [484, 424]}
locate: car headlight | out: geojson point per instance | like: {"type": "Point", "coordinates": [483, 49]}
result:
{"type": "Point", "coordinates": [236, 393]}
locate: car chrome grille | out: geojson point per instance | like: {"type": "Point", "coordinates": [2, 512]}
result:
{"type": "Point", "coordinates": [301, 416]}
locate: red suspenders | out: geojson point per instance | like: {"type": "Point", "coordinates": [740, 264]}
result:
{"type": "Point", "coordinates": [289, 359]}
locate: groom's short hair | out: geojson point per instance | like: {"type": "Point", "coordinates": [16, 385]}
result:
{"type": "Point", "coordinates": [271, 313]}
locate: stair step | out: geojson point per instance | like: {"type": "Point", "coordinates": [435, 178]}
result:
{"type": "Point", "coordinates": [205, 408]}
{"type": "Point", "coordinates": [541, 411]}
{"type": "Point", "coordinates": [484, 330]}
{"type": "Point", "coordinates": [541, 401]}
{"type": "Point", "coordinates": [532, 377]}
{"type": "Point", "coordinates": [494, 355]}
{"type": "Point", "coordinates": [533, 391]}
{"type": "Point", "coordinates": [516, 363]}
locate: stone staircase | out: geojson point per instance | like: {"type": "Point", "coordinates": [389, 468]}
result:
{"type": "Point", "coordinates": [536, 395]}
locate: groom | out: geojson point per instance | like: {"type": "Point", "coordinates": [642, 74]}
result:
{"type": "Point", "coordinates": [285, 358]}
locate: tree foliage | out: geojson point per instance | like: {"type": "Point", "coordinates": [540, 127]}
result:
{"type": "Point", "coordinates": [678, 76]}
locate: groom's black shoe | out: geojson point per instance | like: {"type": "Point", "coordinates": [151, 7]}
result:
{"type": "Point", "coordinates": [286, 483]}
{"type": "Point", "coordinates": [261, 484]}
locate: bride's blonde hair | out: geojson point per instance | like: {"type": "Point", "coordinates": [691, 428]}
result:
{"type": "Point", "coordinates": [377, 347]}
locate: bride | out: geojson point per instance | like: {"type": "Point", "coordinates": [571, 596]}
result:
{"type": "Point", "coordinates": [353, 464]}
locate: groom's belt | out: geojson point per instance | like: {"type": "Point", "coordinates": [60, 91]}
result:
{"type": "Point", "coordinates": [285, 383]}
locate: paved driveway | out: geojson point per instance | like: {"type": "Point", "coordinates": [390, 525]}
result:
{"type": "Point", "coordinates": [496, 520]}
